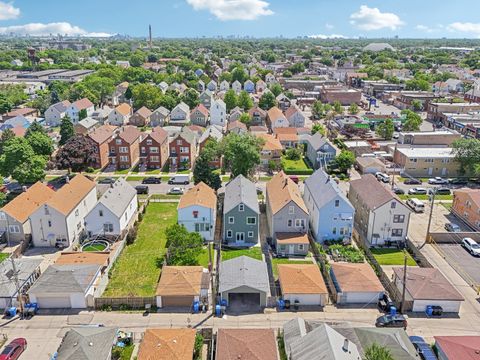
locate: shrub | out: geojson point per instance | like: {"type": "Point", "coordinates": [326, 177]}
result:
{"type": "Point", "coordinates": [288, 171]}
{"type": "Point", "coordinates": [293, 154]}
{"type": "Point", "coordinates": [197, 348]}
{"type": "Point", "coordinates": [90, 169]}
{"type": "Point", "coordinates": [350, 253]}
{"type": "Point", "coordinates": [132, 234]}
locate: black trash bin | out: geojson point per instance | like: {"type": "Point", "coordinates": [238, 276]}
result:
{"type": "Point", "coordinates": [287, 304]}
{"type": "Point", "coordinates": [437, 310]}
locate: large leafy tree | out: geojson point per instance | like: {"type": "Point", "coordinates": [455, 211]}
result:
{"type": "Point", "coordinates": [241, 153]}
{"type": "Point", "coordinates": [276, 89]}
{"type": "Point", "coordinates": [35, 127]}
{"type": "Point", "coordinates": [190, 97]}
{"type": "Point", "coordinates": [66, 130]}
{"type": "Point", "coordinates": [7, 135]}
{"type": "Point", "coordinates": [230, 99]}
{"type": "Point", "coordinates": [385, 130]}
{"type": "Point", "coordinates": [146, 95]}
{"type": "Point", "coordinates": [77, 154]}
{"type": "Point", "coordinates": [412, 121]}
{"type": "Point", "coordinates": [245, 101]}
{"type": "Point", "coordinates": [203, 171]}
{"type": "Point", "coordinates": [183, 247]}
{"type": "Point", "coordinates": [345, 160]}
{"type": "Point", "coordinates": [41, 144]}
{"type": "Point", "coordinates": [20, 162]}
{"type": "Point", "coordinates": [467, 154]}
{"type": "Point", "coordinates": [267, 101]}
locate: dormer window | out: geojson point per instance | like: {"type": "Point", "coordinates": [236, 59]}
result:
{"type": "Point", "coordinates": [241, 207]}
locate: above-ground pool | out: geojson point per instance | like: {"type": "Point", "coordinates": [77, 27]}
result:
{"type": "Point", "coordinates": [96, 245]}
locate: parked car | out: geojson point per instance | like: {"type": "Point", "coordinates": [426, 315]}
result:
{"type": "Point", "coordinates": [416, 205]}
{"type": "Point", "coordinates": [107, 180]}
{"type": "Point", "coordinates": [417, 191]}
{"type": "Point", "coordinates": [471, 246]}
{"type": "Point", "coordinates": [440, 191]}
{"type": "Point", "coordinates": [151, 180]}
{"type": "Point", "coordinates": [458, 181]}
{"type": "Point", "coordinates": [412, 181]}
{"type": "Point", "coordinates": [397, 321]}
{"type": "Point", "coordinates": [179, 179]}
{"type": "Point", "coordinates": [437, 181]}
{"type": "Point", "coordinates": [13, 350]}
{"type": "Point", "coordinates": [142, 189]}
{"type": "Point", "coordinates": [451, 227]}
{"type": "Point", "coordinates": [176, 191]}
{"type": "Point", "coordinates": [398, 191]}
{"type": "Point", "coordinates": [423, 349]}
{"type": "Point", "coordinates": [259, 190]}
{"type": "Point", "coordinates": [382, 177]}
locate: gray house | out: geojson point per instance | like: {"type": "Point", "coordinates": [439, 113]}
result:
{"type": "Point", "coordinates": [244, 280]}
{"type": "Point", "coordinates": [206, 98]}
{"type": "Point", "coordinates": [287, 216]}
{"type": "Point", "coordinates": [159, 117]}
{"type": "Point", "coordinates": [88, 343]}
{"type": "Point", "coordinates": [240, 213]}
{"type": "Point", "coordinates": [319, 150]}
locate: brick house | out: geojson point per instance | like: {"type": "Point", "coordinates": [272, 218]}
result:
{"type": "Point", "coordinates": [466, 205]}
{"type": "Point", "coordinates": [100, 139]}
{"type": "Point", "coordinates": [154, 149]}
{"type": "Point", "coordinates": [183, 150]}
{"type": "Point", "coordinates": [125, 147]}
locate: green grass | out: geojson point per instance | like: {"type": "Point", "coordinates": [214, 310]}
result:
{"type": "Point", "coordinates": [187, 171]}
{"type": "Point", "coordinates": [136, 170]}
{"type": "Point", "coordinates": [294, 166]}
{"type": "Point", "coordinates": [423, 180]}
{"type": "Point", "coordinates": [392, 257]}
{"type": "Point", "coordinates": [3, 256]}
{"type": "Point", "coordinates": [165, 196]}
{"type": "Point", "coordinates": [96, 247]}
{"type": "Point", "coordinates": [51, 177]}
{"type": "Point", "coordinates": [123, 353]}
{"type": "Point", "coordinates": [135, 178]}
{"type": "Point", "coordinates": [137, 270]}
{"type": "Point", "coordinates": [225, 178]}
{"type": "Point", "coordinates": [203, 258]}
{"type": "Point", "coordinates": [253, 252]}
{"type": "Point", "coordinates": [122, 172]}
{"type": "Point", "coordinates": [425, 197]}
{"type": "Point", "coordinates": [264, 178]}
{"type": "Point", "coordinates": [447, 206]}
{"type": "Point", "coordinates": [277, 261]}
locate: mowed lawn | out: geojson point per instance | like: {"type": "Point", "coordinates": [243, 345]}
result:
{"type": "Point", "coordinates": [253, 252]}
{"type": "Point", "coordinates": [392, 257]}
{"type": "Point", "coordinates": [277, 261]}
{"type": "Point", "coordinates": [3, 256]}
{"type": "Point", "coordinates": [137, 270]}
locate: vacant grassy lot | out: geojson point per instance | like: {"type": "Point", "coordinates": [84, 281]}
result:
{"type": "Point", "coordinates": [426, 197]}
{"type": "Point", "coordinates": [3, 256]}
{"type": "Point", "coordinates": [392, 257]}
{"type": "Point", "coordinates": [166, 196]}
{"type": "Point", "coordinates": [254, 252]}
{"type": "Point", "coordinates": [137, 270]}
{"type": "Point", "coordinates": [277, 261]}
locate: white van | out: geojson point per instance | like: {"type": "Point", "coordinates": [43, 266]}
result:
{"type": "Point", "coordinates": [179, 179]}
{"type": "Point", "coordinates": [416, 205]}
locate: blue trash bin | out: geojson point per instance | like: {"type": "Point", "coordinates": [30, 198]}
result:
{"type": "Point", "coordinates": [218, 310]}
{"type": "Point", "coordinates": [429, 310]}
{"type": "Point", "coordinates": [393, 310]}
{"type": "Point", "coordinates": [196, 307]}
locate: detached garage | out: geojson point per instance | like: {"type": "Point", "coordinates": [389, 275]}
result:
{"type": "Point", "coordinates": [427, 286]}
{"type": "Point", "coordinates": [244, 283]}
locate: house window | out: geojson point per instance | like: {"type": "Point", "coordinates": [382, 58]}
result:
{"type": "Point", "coordinates": [282, 247]}
{"type": "Point", "coordinates": [2, 216]}
{"type": "Point", "coordinates": [123, 149]}
{"type": "Point", "coordinates": [334, 231]}
{"type": "Point", "coordinates": [301, 247]}
{"type": "Point", "coordinates": [179, 142]}
{"type": "Point", "coordinates": [143, 150]}
{"type": "Point", "coordinates": [195, 214]}
{"type": "Point", "coordinates": [184, 150]}
{"type": "Point", "coordinates": [154, 150]}
{"type": "Point", "coordinates": [289, 222]}
{"type": "Point", "coordinates": [76, 212]}
{"type": "Point", "coordinates": [149, 142]}
{"type": "Point", "coordinates": [251, 220]}
{"type": "Point", "coordinates": [241, 207]}
{"type": "Point", "coordinates": [14, 229]}
{"type": "Point", "coordinates": [107, 227]}
{"type": "Point", "coordinates": [393, 205]}
{"type": "Point", "coordinates": [118, 141]}
{"type": "Point", "coordinates": [49, 223]}
{"type": "Point", "coordinates": [397, 232]}
{"type": "Point", "coordinates": [299, 222]}
{"type": "Point", "coordinates": [337, 203]}
{"type": "Point", "coordinates": [124, 158]}
{"type": "Point", "coordinates": [229, 233]}
{"type": "Point", "coordinates": [291, 209]}
{"type": "Point", "coordinates": [250, 234]}
{"type": "Point", "coordinates": [231, 220]}
{"type": "Point", "coordinates": [398, 218]}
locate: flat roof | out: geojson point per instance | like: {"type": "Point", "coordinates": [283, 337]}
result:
{"type": "Point", "coordinates": [427, 152]}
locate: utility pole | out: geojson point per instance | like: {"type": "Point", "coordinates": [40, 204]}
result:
{"type": "Point", "coordinates": [432, 204]}
{"type": "Point", "coordinates": [17, 285]}
{"type": "Point", "coordinates": [402, 304]}
{"type": "Point", "coordinates": [210, 269]}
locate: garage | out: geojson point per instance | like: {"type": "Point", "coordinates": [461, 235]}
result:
{"type": "Point", "coordinates": [305, 299]}
{"type": "Point", "coordinates": [47, 302]}
{"type": "Point", "coordinates": [177, 301]}
{"type": "Point", "coordinates": [244, 300]}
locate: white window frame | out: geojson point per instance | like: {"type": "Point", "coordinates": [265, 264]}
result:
{"type": "Point", "coordinates": [229, 234]}
{"type": "Point", "coordinates": [252, 217]}
{"type": "Point", "coordinates": [241, 207]}
{"type": "Point", "coordinates": [300, 222]}
{"type": "Point", "coordinates": [291, 210]}
{"type": "Point", "coordinates": [14, 229]}
{"type": "Point", "coordinates": [3, 216]}
{"type": "Point", "coordinates": [301, 247]}
{"type": "Point", "coordinates": [231, 220]}
{"type": "Point", "coordinates": [250, 234]}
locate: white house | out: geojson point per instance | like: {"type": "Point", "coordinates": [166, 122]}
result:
{"type": "Point", "coordinates": [120, 115]}
{"type": "Point", "coordinates": [74, 109]}
{"type": "Point", "coordinates": [237, 86]}
{"type": "Point", "coordinates": [295, 117]}
{"type": "Point", "coordinates": [276, 118]}
{"type": "Point", "coordinates": [180, 114]}
{"type": "Point", "coordinates": [224, 85]}
{"type": "Point", "coordinates": [114, 211]}
{"type": "Point", "coordinates": [197, 210]}
{"type": "Point", "coordinates": [218, 113]}
{"type": "Point", "coordinates": [260, 86]}
{"type": "Point", "coordinates": [56, 112]}
{"type": "Point", "coordinates": [270, 79]}
{"type": "Point", "coordinates": [163, 86]}
{"type": "Point", "coordinates": [60, 221]}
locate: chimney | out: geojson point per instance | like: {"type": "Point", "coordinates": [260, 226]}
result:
{"type": "Point", "coordinates": [345, 345]}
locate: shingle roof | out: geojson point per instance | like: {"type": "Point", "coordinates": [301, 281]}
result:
{"type": "Point", "coordinates": [240, 190]}
{"type": "Point", "coordinates": [372, 192]}
{"type": "Point", "coordinates": [83, 258]}
{"type": "Point", "coordinates": [27, 202]}
{"type": "Point", "coordinates": [102, 133]}
{"type": "Point", "coordinates": [24, 266]}
{"type": "Point", "coordinates": [201, 108]}
{"type": "Point", "coordinates": [236, 124]}
{"type": "Point", "coordinates": [129, 133]}
{"type": "Point", "coordinates": [144, 112]}
{"type": "Point", "coordinates": [87, 343]}
{"type": "Point", "coordinates": [158, 134]}
{"type": "Point", "coordinates": [353, 277]}
{"type": "Point", "coordinates": [251, 344]}
{"type": "Point", "coordinates": [243, 271]}
{"type": "Point", "coordinates": [291, 238]}
{"type": "Point", "coordinates": [395, 340]}
{"type": "Point", "coordinates": [211, 132]}
{"type": "Point", "coordinates": [82, 104]}
{"type": "Point", "coordinates": [61, 106]}
{"type": "Point", "coordinates": [271, 142]}
{"type": "Point", "coordinates": [474, 194]}
{"type": "Point", "coordinates": [184, 107]}
{"type": "Point", "coordinates": [459, 347]}
{"type": "Point", "coordinates": [317, 140]}
{"type": "Point", "coordinates": [118, 196]}
{"type": "Point", "coordinates": [428, 284]}
{"type": "Point", "coordinates": [301, 279]}
{"type": "Point", "coordinates": [162, 110]}
{"type": "Point", "coordinates": [62, 279]}
{"type": "Point", "coordinates": [281, 190]}
{"type": "Point", "coordinates": [70, 194]}
{"type": "Point", "coordinates": [180, 281]}
{"type": "Point", "coordinates": [200, 195]}
{"type": "Point", "coordinates": [275, 113]}
{"type": "Point", "coordinates": [171, 344]}
{"type": "Point", "coordinates": [123, 109]}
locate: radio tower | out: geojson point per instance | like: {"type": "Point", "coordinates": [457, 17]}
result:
{"type": "Point", "coordinates": [150, 36]}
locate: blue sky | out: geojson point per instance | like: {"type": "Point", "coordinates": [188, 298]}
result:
{"type": "Point", "coordinates": [260, 18]}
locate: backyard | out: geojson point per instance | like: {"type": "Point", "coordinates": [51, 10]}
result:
{"type": "Point", "coordinates": [295, 166]}
{"type": "Point", "coordinates": [392, 257]}
{"type": "Point", "coordinates": [253, 252]}
{"type": "Point", "coordinates": [277, 261]}
{"type": "Point", "coordinates": [137, 270]}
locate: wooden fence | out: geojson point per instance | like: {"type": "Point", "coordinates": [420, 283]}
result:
{"type": "Point", "coordinates": [116, 303]}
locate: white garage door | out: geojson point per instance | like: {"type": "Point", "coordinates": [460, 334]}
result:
{"type": "Point", "coordinates": [54, 302]}
{"type": "Point", "coordinates": [360, 297]}
{"type": "Point", "coordinates": [305, 299]}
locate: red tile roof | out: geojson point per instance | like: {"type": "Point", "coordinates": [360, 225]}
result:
{"type": "Point", "coordinates": [82, 104]}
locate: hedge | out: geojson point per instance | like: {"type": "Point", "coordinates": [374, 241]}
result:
{"type": "Point", "coordinates": [298, 171]}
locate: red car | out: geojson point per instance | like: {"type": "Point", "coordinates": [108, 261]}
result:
{"type": "Point", "coordinates": [295, 179]}
{"type": "Point", "coordinates": [13, 350]}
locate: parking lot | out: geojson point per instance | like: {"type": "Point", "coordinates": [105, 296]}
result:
{"type": "Point", "coordinates": [467, 266]}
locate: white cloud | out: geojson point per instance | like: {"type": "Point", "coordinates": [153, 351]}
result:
{"type": "Point", "coordinates": [373, 19]}
{"type": "Point", "coordinates": [329, 26]}
{"type": "Point", "coordinates": [8, 11]}
{"type": "Point", "coordinates": [429, 29]}
{"type": "Point", "coordinates": [39, 29]}
{"type": "Point", "coordinates": [233, 9]}
{"type": "Point", "coordinates": [466, 27]}
{"type": "Point", "coordinates": [323, 36]}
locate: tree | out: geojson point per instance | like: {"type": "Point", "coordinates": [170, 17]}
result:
{"type": "Point", "coordinates": [267, 101]}
{"type": "Point", "coordinates": [345, 160]}
{"type": "Point", "coordinates": [244, 101]}
{"type": "Point", "coordinates": [204, 172]}
{"type": "Point", "coordinates": [241, 153]}
{"type": "Point", "coordinates": [230, 99]}
{"type": "Point", "coordinates": [239, 74]}
{"type": "Point", "coordinates": [7, 135]}
{"type": "Point", "coordinates": [191, 98]}
{"type": "Point", "coordinates": [77, 154]}
{"type": "Point", "coordinates": [414, 84]}
{"type": "Point", "coordinates": [293, 154]}
{"type": "Point", "coordinates": [417, 105]}
{"type": "Point", "coordinates": [146, 95]}
{"type": "Point", "coordinates": [337, 107]}
{"type": "Point", "coordinates": [318, 110]}
{"type": "Point", "coordinates": [412, 121]}
{"type": "Point", "coordinates": [137, 59]}
{"type": "Point", "coordinates": [66, 130]}
{"type": "Point", "coordinates": [318, 128]}
{"type": "Point", "coordinates": [35, 127]}
{"type": "Point", "coordinates": [467, 154]}
{"type": "Point", "coordinates": [353, 109]}
{"type": "Point", "coordinates": [41, 144]}
{"type": "Point", "coordinates": [82, 114]}
{"type": "Point", "coordinates": [183, 247]}
{"type": "Point", "coordinates": [276, 89]}
{"type": "Point", "coordinates": [377, 352]}
{"type": "Point", "coordinates": [246, 119]}
{"type": "Point", "coordinates": [21, 163]}
{"type": "Point", "coordinates": [385, 130]}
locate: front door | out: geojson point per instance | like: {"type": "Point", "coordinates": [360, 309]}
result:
{"type": "Point", "coordinates": [291, 249]}
{"type": "Point", "coordinates": [444, 171]}
{"type": "Point", "coordinates": [240, 236]}
{"type": "Point", "coordinates": [430, 171]}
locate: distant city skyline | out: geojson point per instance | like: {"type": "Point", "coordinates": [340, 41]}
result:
{"type": "Point", "coordinates": [255, 18]}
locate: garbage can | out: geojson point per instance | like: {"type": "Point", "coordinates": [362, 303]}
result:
{"type": "Point", "coordinates": [437, 311]}
{"type": "Point", "coordinates": [287, 304]}
{"type": "Point", "coordinates": [429, 310]}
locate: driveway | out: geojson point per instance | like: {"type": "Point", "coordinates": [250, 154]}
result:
{"type": "Point", "coordinates": [467, 266]}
